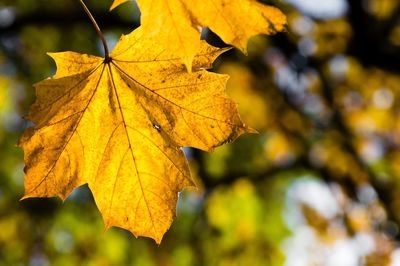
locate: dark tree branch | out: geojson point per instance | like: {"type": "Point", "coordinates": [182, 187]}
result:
{"type": "Point", "coordinates": [370, 42]}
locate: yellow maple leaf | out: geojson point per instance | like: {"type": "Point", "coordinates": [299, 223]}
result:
{"type": "Point", "coordinates": [180, 21]}
{"type": "Point", "coordinates": [119, 123]}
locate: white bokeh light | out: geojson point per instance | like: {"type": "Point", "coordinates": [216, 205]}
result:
{"type": "Point", "coordinates": [326, 9]}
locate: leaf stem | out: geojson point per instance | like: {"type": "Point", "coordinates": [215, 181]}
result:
{"type": "Point", "coordinates": [96, 26]}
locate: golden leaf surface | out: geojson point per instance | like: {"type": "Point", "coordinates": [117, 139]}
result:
{"type": "Point", "coordinates": [180, 22]}
{"type": "Point", "coordinates": [119, 125]}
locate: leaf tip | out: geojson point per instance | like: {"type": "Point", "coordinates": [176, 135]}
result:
{"type": "Point", "coordinates": [250, 130]}
{"type": "Point", "coordinates": [24, 197]}
{"type": "Point", "coordinates": [52, 55]}
{"type": "Point", "coordinates": [107, 226]}
{"type": "Point", "coordinates": [63, 197]}
{"type": "Point", "coordinates": [158, 240]}
{"type": "Point", "coordinates": [117, 3]}
{"type": "Point", "coordinates": [244, 50]}
{"type": "Point", "coordinates": [191, 185]}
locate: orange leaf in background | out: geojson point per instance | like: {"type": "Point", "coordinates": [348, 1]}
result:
{"type": "Point", "coordinates": [180, 21]}
{"type": "Point", "coordinates": [119, 125]}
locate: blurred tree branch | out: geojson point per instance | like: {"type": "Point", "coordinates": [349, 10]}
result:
{"type": "Point", "coordinates": [370, 43]}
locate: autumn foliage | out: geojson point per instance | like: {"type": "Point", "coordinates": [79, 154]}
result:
{"type": "Point", "coordinates": [119, 123]}
{"type": "Point", "coordinates": [318, 184]}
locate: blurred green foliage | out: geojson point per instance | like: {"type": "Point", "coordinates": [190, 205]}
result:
{"type": "Point", "coordinates": [319, 184]}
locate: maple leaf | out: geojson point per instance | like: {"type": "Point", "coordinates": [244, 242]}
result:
{"type": "Point", "coordinates": [180, 22]}
{"type": "Point", "coordinates": [119, 123]}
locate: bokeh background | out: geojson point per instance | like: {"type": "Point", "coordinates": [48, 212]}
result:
{"type": "Point", "coordinates": [318, 186]}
